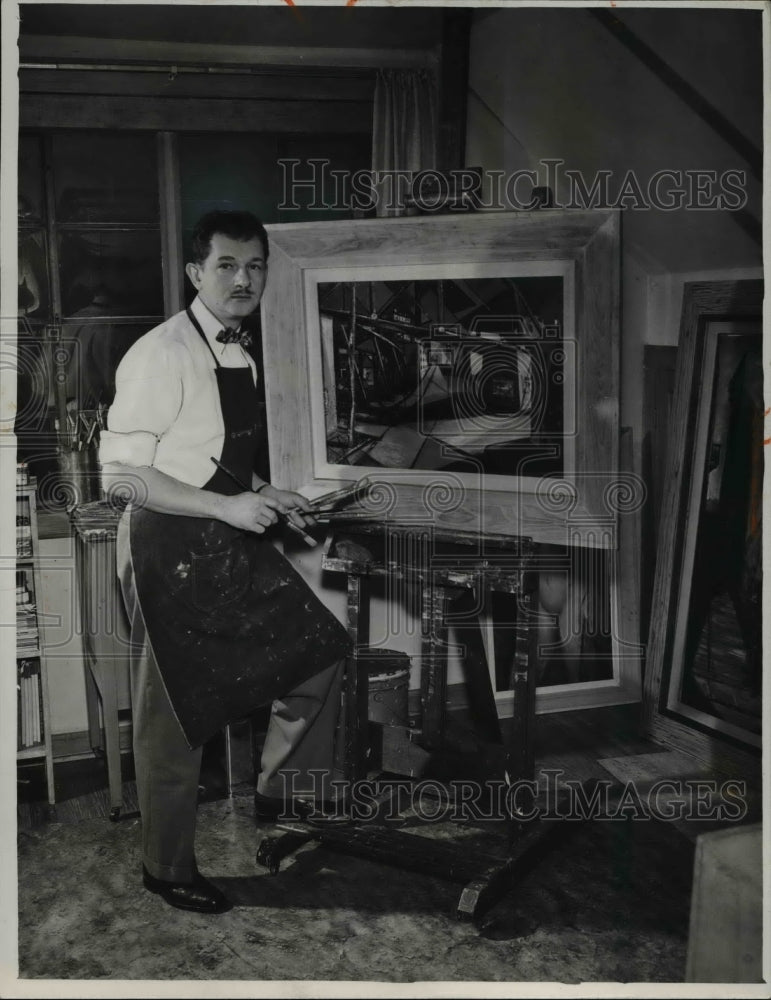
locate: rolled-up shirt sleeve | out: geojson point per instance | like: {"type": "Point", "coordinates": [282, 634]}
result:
{"type": "Point", "coordinates": [148, 397]}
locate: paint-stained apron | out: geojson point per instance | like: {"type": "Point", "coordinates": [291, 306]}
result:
{"type": "Point", "coordinates": [231, 623]}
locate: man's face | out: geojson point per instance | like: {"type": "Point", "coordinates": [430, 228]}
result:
{"type": "Point", "coordinates": [231, 280]}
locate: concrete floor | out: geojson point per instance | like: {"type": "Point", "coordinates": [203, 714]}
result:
{"type": "Point", "coordinates": [610, 904]}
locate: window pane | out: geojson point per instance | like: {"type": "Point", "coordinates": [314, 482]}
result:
{"type": "Point", "coordinates": [105, 178]}
{"type": "Point", "coordinates": [31, 202]}
{"type": "Point", "coordinates": [312, 190]}
{"type": "Point", "coordinates": [228, 172]}
{"type": "Point", "coordinates": [33, 274]}
{"type": "Point", "coordinates": [122, 269]}
{"type": "Point", "coordinates": [95, 345]}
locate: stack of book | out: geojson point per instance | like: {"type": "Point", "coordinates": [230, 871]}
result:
{"type": "Point", "coordinates": [23, 529]}
{"type": "Point", "coordinates": [29, 705]}
{"type": "Point", "coordinates": [26, 617]}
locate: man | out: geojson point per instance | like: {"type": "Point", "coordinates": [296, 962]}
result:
{"type": "Point", "coordinates": [220, 620]}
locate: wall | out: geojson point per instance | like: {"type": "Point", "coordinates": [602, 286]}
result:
{"type": "Point", "coordinates": [555, 84]}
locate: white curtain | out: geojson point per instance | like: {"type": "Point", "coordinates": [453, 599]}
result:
{"type": "Point", "coordinates": [404, 132]}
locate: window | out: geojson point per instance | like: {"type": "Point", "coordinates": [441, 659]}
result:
{"type": "Point", "coordinates": [91, 275]}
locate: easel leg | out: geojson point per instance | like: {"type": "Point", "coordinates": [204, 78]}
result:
{"type": "Point", "coordinates": [520, 761]}
{"type": "Point", "coordinates": [356, 684]}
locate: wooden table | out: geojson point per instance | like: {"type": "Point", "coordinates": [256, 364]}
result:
{"type": "Point", "coordinates": [443, 565]}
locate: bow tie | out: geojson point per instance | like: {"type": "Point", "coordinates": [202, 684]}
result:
{"type": "Point", "coordinates": [231, 336]}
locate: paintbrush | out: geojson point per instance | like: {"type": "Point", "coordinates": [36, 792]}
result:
{"type": "Point", "coordinates": [347, 493]}
{"type": "Point", "coordinates": [308, 539]}
{"type": "Point", "coordinates": [342, 515]}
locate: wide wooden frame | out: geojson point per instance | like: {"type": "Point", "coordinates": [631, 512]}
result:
{"type": "Point", "coordinates": [704, 304]}
{"type": "Point", "coordinates": [585, 246]}
{"type": "Point", "coordinates": [587, 242]}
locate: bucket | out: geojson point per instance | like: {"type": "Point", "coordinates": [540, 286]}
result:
{"type": "Point", "coordinates": [389, 680]}
{"type": "Point", "coordinates": [78, 480]}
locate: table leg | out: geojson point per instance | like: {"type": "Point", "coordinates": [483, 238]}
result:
{"type": "Point", "coordinates": [520, 760]}
{"type": "Point", "coordinates": [104, 677]}
{"type": "Point", "coordinates": [92, 710]}
{"type": "Point", "coordinates": [433, 665]}
{"type": "Point", "coordinates": [356, 684]}
{"type": "Point", "coordinates": [82, 567]}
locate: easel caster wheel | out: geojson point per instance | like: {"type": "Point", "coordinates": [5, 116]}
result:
{"type": "Point", "coordinates": [115, 814]}
{"type": "Point", "coordinates": [265, 857]}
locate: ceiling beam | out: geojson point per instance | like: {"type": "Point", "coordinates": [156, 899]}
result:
{"type": "Point", "coordinates": [62, 49]}
{"type": "Point", "coordinates": [188, 113]}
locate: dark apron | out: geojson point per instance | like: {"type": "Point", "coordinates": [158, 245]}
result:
{"type": "Point", "coordinates": [231, 623]}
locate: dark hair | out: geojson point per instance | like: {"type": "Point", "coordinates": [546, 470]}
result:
{"type": "Point", "coordinates": [236, 225]}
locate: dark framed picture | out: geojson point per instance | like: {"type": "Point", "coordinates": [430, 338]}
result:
{"type": "Point", "coordinates": [703, 687]}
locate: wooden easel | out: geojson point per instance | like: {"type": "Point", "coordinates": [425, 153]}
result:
{"type": "Point", "coordinates": [437, 561]}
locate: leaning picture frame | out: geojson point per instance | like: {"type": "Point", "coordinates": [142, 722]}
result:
{"type": "Point", "coordinates": [702, 691]}
{"type": "Point", "coordinates": [327, 277]}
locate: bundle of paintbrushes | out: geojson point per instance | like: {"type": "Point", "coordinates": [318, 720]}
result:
{"type": "Point", "coordinates": [82, 429]}
{"type": "Point", "coordinates": [329, 507]}
{"type": "Point", "coordinates": [323, 508]}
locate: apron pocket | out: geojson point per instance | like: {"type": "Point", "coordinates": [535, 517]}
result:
{"type": "Point", "coordinates": [218, 579]}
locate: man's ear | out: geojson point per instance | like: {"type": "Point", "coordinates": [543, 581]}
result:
{"type": "Point", "coordinates": [193, 272]}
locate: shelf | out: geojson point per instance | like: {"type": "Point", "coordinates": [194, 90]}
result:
{"type": "Point", "coordinates": [34, 719]}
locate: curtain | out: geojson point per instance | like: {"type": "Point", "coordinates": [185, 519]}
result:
{"type": "Point", "coordinates": [404, 133]}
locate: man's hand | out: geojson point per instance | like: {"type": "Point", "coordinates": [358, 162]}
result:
{"type": "Point", "coordinates": [251, 511]}
{"type": "Point", "coordinates": [293, 504]}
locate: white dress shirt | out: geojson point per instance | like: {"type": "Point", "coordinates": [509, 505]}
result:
{"type": "Point", "coordinates": [166, 412]}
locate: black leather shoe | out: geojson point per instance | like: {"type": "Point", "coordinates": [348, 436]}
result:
{"type": "Point", "coordinates": [199, 895]}
{"type": "Point", "coordinates": [269, 809]}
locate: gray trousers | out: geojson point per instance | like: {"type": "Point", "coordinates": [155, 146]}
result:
{"type": "Point", "coordinates": [298, 748]}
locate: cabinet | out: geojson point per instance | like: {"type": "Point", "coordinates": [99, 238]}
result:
{"type": "Point", "coordinates": [33, 740]}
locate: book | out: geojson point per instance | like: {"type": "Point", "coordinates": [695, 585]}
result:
{"type": "Point", "coordinates": [23, 529]}
{"type": "Point", "coordinates": [26, 727]}
{"type": "Point", "coordinates": [19, 743]}
{"type": "Point", "coordinates": [36, 733]}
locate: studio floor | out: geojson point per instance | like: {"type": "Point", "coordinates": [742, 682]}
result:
{"type": "Point", "coordinates": [609, 902]}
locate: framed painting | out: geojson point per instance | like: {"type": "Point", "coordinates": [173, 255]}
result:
{"type": "Point", "coordinates": [475, 353]}
{"type": "Point", "coordinates": [703, 690]}
{"type": "Point", "coordinates": [468, 366]}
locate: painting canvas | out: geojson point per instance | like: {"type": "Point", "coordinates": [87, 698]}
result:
{"type": "Point", "coordinates": [469, 374]}
{"type": "Point", "coordinates": [703, 689]}
{"type": "Point", "coordinates": [717, 656]}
